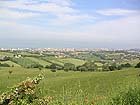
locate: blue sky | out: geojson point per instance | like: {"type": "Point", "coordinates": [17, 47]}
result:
{"type": "Point", "coordinates": [70, 23]}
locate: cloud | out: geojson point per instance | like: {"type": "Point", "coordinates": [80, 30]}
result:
{"type": "Point", "coordinates": [61, 11]}
{"type": "Point", "coordinates": [119, 12]}
{"type": "Point", "coordinates": [11, 14]}
{"type": "Point", "coordinates": [61, 2]}
{"type": "Point", "coordinates": [53, 6]}
{"type": "Point", "coordinates": [125, 29]}
{"type": "Point", "coordinates": [66, 19]}
{"type": "Point", "coordinates": [119, 30]}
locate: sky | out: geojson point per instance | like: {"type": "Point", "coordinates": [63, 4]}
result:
{"type": "Point", "coordinates": [70, 23]}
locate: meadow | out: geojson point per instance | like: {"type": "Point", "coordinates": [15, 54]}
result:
{"type": "Point", "coordinates": [72, 88]}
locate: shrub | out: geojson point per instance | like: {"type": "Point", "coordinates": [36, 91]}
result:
{"type": "Point", "coordinates": [4, 65]}
{"type": "Point", "coordinates": [91, 66]}
{"type": "Point", "coordinates": [53, 66]}
{"type": "Point", "coordinates": [47, 66]}
{"type": "Point", "coordinates": [69, 66]}
{"type": "Point", "coordinates": [36, 65]}
{"type": "Point", "coordinates": [53, 70]}
{"type": "Point", "coordinates": [10, 71]}
{"type": "Point", "coordinates": [112, 68]}
{"type": "Point", "coordinates": [138, 65]}
{"type": "Point", "coordinates": [82, 68]}
{"type": "Point", "coordinates": [24, 94]}
{"type": "Point", "coordinates": [119, 67]}
{"type": "Point", "coordinates": [126, 65]}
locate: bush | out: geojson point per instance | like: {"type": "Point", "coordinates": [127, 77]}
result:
{"type": "Point", "coordinates": [4, 65]}
{"type": "Point", "coordinates": [138, 65]}
{"type": "Point", "coordinates": [53, 70]}
{"type": "Point", "coordinates": [82, 68]}
{"type": "Point", "coordinates": [10, 71]}
{"type": "Point", "coordinates": [91, 66]}
{"type": "Point", "coordinates": [36, 65]}
{"type": "Point", "coordinates": [112, 68]}
{"type": "Point", "coordinates": [47, 66]}
{"type": "Point", "coordinates": [126, 65]}
{"type": "Point", "coordinates": [119, 67]}
{"type": "Point", "coordinates": [24, 94]}
{"type": "Point", "coordinates": [69, 66]}
{"type": "Point", "coordinates": [53, 66]}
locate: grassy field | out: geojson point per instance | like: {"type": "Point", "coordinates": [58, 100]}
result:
{"type": "Point", "coordinates": [77, 62]}
{"type": "Point", "coordinates": [42, 62]}
{"type": "Point", "coordinates": [25, 62]}
{"type": "Point", "coordinates": [53, 60]}
{"type": "Point", "coordinates": [6, 54]}
{"type": "Point", "coordinates": [62, 61]}
{"type": "Point", "coordinates": [73, 87]}
{"type": "Point", "coordinates": [10, 63]}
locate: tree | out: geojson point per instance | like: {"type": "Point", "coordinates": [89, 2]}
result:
{"type": "Point", "coordinates": [69, 66]}
{"type": "Point", "coordinates": [82, 68]}
{"type": "Point", "coordinates": [112, 68]}
{"type": "Point", "coordinates": [105, 67]}
{"type": "Point", "coordinates": [53, 70]}
{"type": "Point", "coordinates": [126, 65]}
{"type": "Point", "coordinates": [4, 65]}
{"type": "Point", "coordinates": [53, 66]}
{"type": "Point", "coordinates": [91, 66]}
{"type": "Point", "coordinates": [10, 71]}
{"type": "Point", "coordinates": [138, 65]}
{"type": "Point", "coordinates": [119, 67]}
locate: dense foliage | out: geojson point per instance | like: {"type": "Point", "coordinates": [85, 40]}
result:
{"type": "Point", "coordinates": [4, 65]}
{"type": "Point", "coordinates": [138, 65]}
{"type": "Point", "coordinates": [24, 94]}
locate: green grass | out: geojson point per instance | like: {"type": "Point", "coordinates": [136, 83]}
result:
{"type": "Point", "coordinates": [73, 87]}
{"type": "Point", "coordinates": [53, 60]}
{"type": "Point", "coordinates": [28, 54]}
{"type": "Point", "coordinates": [23, 61]}
{"type": "Point", "coordinates": [77, 62]}
{"type": "Point", "coordinates": [42, 62]}
{"type": "Point", "coordinates": [10, 63]}
{"type": "Point", "coordinates": [6, 54]}
{"type": "Point", "coordinates": [62, 61]}
{"type": "Point", "coordinates": [89, 57]}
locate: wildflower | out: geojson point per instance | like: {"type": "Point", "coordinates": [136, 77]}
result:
{"type": "Point", "coordinates": [85, 100]}
{"type": "Point", "coordinates": [99, 98]}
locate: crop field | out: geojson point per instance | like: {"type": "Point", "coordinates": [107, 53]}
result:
{"type": "Point", "coordinates": [10, 63]}
{"type": "Point", "coordinates": [6, 54]}
{"type": "Point", "coordinates": [23, 61]}
{"type": "Point", "coordinates": [40, 61]}
{"type": "Point", "coordinates": [53, 60]}
{"type": "Point", "coordinates": [77, 62]}
{"type": "Point", "coordinates": [62, 61]}
{"type": "Point", "coordinates": [73, 87]}
{"type": "Point", "coordinates": [28, 54]}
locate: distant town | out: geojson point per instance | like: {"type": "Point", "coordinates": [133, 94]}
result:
{"type": "Point", "coordinates": [68, 49]}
